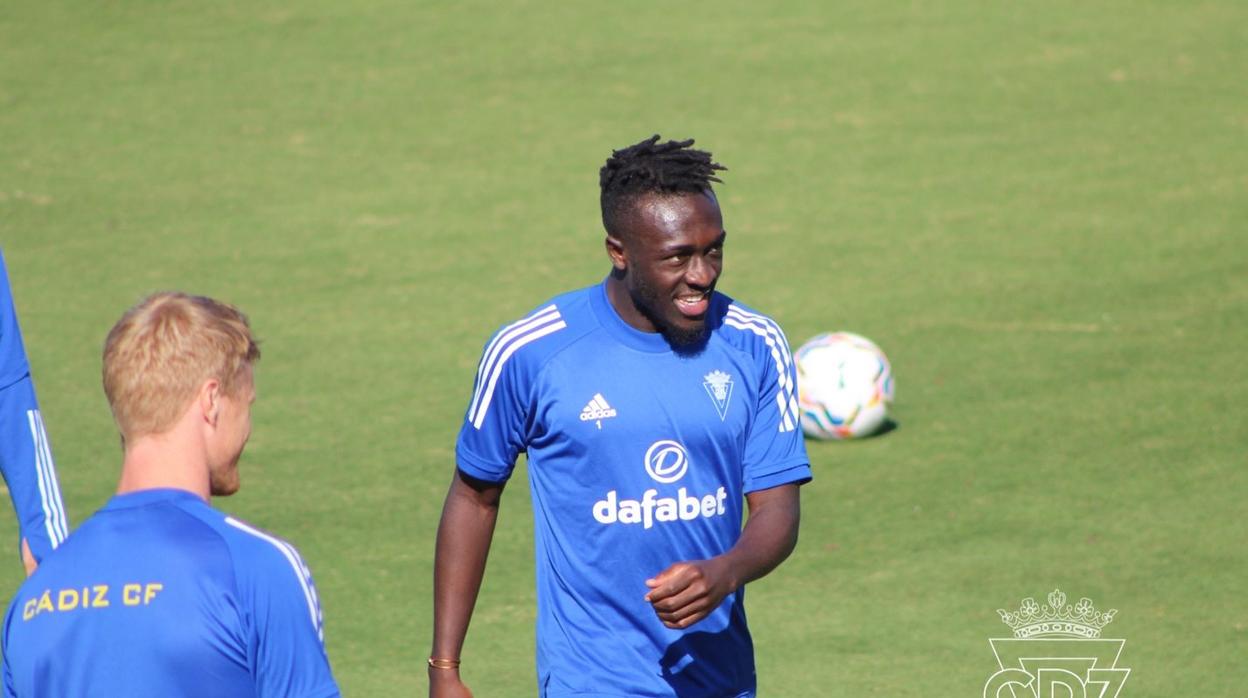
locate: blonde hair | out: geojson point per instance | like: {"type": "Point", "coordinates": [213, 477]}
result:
{"type": "Point", "coordinates": [162, 350]}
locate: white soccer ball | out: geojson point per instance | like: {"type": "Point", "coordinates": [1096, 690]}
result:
{"type": "Point", "coordinates": [844, 386]}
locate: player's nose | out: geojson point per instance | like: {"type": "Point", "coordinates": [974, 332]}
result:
{"type": "Point", "coordinates": [701, 272]}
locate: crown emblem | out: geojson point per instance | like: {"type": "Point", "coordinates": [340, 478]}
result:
{"type": "Point", "coordinates": [719, 386]}
{"type": "Point", "coordinates": [1057, 620]}
{"type": "Point", "coordinates": [718, 383]}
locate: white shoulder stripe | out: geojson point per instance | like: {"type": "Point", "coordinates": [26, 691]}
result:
{"type": "Point", "coordinates": [786, 397]}
{"type": "Point", "coordinates": [504, 334]}
{"type": "Point", "coordinates": [54, 519]}
{"type": "Point", "coordinates": [302, 573]}
{"type": "Point", "coordinates": [488, 394]}
{"type": "Point", "coordinates": [786, 423]}
{"type": "Point", "coordinates": [498, 344]}
{"type": "Point", "coordinates": [772, 328]}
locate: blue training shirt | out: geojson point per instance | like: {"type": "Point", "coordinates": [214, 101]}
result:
{"type": "Point", "coordinates": [158, 594]}
{"type": "Point", "coordinates": [638, 458]}
{"type": "Point", "coordinates": [25, 457]}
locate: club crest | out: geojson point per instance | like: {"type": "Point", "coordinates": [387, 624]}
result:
{"type": "Point", "coordinates": [719, 387]}
{"type": "Point", "coordinates": [1057, 651]}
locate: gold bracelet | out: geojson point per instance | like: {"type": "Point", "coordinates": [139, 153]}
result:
{"type": "Point", "coordinates": [440, 663]}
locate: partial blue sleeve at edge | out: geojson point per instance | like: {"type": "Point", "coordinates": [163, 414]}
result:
{"type": "Point", "coordinates": [29, 471]}
{"type": "Point", "coordinates": [10, 691]}
{"type": "Point", "coordinates": [797, 472]}
{"type": "Point", "coordinates": [478, 467]}
{"type": "Point", "coordinates": [25, 457]}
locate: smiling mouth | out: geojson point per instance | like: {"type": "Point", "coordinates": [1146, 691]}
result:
{"type": "Point", "coordinates": [693, 305]}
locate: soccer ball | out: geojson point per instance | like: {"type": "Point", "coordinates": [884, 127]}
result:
{"type": "Point", "coordinates": [844, 386]}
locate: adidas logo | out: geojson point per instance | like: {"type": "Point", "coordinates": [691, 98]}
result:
{"type": "Point", "coordinates": [597, 409]}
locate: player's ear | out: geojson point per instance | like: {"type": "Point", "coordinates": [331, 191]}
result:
{"type": "Point", "coordinates": [209, 400]}
{"type": "Point", "coordinates": [615, 250]}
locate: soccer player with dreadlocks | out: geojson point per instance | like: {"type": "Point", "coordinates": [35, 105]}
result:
{"type": "Point", "coordinates": [654, 411]}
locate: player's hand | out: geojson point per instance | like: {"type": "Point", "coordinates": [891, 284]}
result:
{"type": "Point", "coordinates": [445, 683]}
{"type": "Point", "coordinates": [687, 592]}
{"type": "Point", "coordinates": [28, 559]}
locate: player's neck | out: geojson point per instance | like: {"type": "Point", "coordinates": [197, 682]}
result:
{"type": "Point", "coordinates": [173, 459]}
{"type": "Point", "coordinates": [622, 303]}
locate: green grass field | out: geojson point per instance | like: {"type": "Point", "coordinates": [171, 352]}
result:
{"type": "Point", "coordinates": [1037, 209]}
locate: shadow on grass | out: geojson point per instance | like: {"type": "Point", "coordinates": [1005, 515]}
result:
{"type": "Point", "coordinates": [890, 425]}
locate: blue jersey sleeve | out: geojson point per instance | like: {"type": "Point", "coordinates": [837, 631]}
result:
{"type": "Point", "coordinates": [775, 453]}
{"type": "Point", "coordinates": [10, 689]}
{"type": "Point", "coordinates": [25, 457]}
{"type": "Point", "coordinates": [12, 356]}
{"type": "Point", "coordinates": [286, 651]}
{"type": "Point", "coordinates": [494, 432]}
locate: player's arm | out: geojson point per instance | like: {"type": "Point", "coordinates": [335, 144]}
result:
{"type": "Point", "coordinates": [493, 435]}
{"type": "Point", "coordinates": [463, 543]}
{"type": "Point", "coordinates": [26, 463]}
{"type": "Point", "coordinates": [29, 563]}
{"type": "Point", "coordinates": [686, 592]}
{"type": "Point", "coordinates": [25, 458]}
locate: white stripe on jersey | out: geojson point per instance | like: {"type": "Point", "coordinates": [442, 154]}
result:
{"type": "Point", "coordinates": [488, 395]}
{"type": "Point", "coordinates": [508, 333]}
{"type": "Point", "coordinates": [49, 466]}
{"type": "Point", "coordinates": [487, 356]}
{"type": "Point", "coordinates": [302, 573]}
{"type": "Point", "coordinates": [786, 398]}
{"type": "Point", "coordinates": [49, 491]}
{"type": "Point", "coordinates": [773, 328]}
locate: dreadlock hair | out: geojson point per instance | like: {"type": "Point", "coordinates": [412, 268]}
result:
{"type": "Point", "coordinates": [649, 166]}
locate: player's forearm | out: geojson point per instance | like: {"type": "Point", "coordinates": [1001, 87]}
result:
{"type": "Point", "coordinates": [28, 559]}
{"type": "Point", "coordinates": [463, 543]}
{"type": "Point", "coordinates": [769, 535]}
{"type": "Point", "coordinates": [28, 470]}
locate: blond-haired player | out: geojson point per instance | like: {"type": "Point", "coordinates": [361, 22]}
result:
{"type": "Point", "coordinates": [158, 593]}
